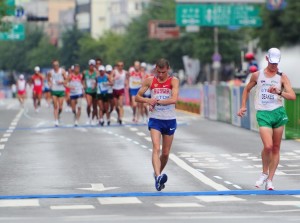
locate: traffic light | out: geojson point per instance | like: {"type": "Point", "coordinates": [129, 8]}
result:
{"type": "Point", "coordinates": [32, 18]}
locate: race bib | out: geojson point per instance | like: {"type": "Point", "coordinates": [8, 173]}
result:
{"type": "Point", "coordinates": [37, 82]}
{"type": "Point", "coordinates": [90, 83]}
{"type": "Point", "coordinates": [267, 97]}
{"type": "Point", "coordinates": [135, 82]}
{"type": "Point", "coordinates": [102, 87]}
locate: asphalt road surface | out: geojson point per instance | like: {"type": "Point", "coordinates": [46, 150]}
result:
{"type": "Point", "coordinates": [104, 174]}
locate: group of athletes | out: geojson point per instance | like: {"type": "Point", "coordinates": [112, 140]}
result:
{"type": "Point", "coordinates": [103, 87]}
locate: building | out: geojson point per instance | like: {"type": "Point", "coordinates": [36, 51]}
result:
{"type": "Point", "coordinates": [99, 16]}
{"type": "Point", "coordinates": [60, 15]}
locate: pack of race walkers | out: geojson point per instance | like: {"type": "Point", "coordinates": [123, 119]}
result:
{"type": "Point", "coordinates": [103, 88]}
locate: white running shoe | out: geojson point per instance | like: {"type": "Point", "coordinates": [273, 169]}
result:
{"type": "Point", "coordinates": [56, 123]}
{"type": "Point", "coordinates": [262, 180]}
{"type": "Point", "coordinates": [269, 185]}
{"type": "Point", "coordinates": [76, 123]}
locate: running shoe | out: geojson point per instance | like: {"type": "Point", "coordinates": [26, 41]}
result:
{"type": "Point", "coordinates": [120, 121]}
{"type": "Point", "coordinates": [160, 182]}
{"type": "Point", "coordinates": [101, 123]}
{"type": "Point", "coordinates": [262, 180]}
{"type": "Point", "coordinates": [76, 123]}
{"type": "Point", "coordinates": [56, 123]}
{"type": "Point", "coordinates": [108, 123]}
{"type": "Point", "coordinates": [269, 185]}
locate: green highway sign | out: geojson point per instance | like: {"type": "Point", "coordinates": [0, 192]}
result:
{"type": "Point", "coordinates": [218, 15]}
{"type": "Point", "coordinates": [11, 7]}
{"type": "Point", "coordinates": [17, 32]}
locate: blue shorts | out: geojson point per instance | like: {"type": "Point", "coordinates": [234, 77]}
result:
{"type": "Point", "coordinates": [133, 91]}
{"type": "Point", "coordinates": [147, 95]}
{"type": "Point", "coordinates": [166, 127]}
{"type": "Point", "coordinates": [75, 97]}
{"type": "Point", "coordinates": [47, 90]}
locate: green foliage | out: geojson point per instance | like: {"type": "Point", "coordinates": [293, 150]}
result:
{"type": "Point", "coordinates": [70, 50]}
{"type": "Point", "coordinates": [4, 10]}
{"type": "Point", "coordinates": [280, 27]}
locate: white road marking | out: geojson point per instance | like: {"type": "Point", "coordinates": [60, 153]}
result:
{"type": "Point", "coordinates": [119, 200]}
{"type": "Point", "coordinates": [219, 198]}
{"type": "Point", "coordinates": [116, 134]}
{"type": "Point", "coordinates": [140, 133]}
{"type": "Point", "coordinates": [225, 155]}
{"type": "Point", "coordinates": [283, 211]}
{"type": "Point", "coordinates": [133, 129]}
{"type": "Point", "coordinates": [2, 146]}
{"type": "Point", "coordinates": [7, 135]}
{"type": "Point", "coordinates": [3, 139]}
{"type": "Point", "coordinates": [248, 167]}
{"type": "Point", "coordinates": [128, 139]}
{"type": "Point", "coordinates": [204, 179]}
{"type": "Point", "coordinates": [135, 142]}
{"type": "Point", "coordinates": [178, 205]}
{"type": "Point", "coordinates": [281, 203]}
{"type": "Point", "coordinates": [145, 147]}
{"type": "Point", "coordinates": [237, 186]}
{"type": "Point", "coordinates": [20, 203]}
{"type": "Point", "coordinates": [218, 177]}
{"type": "Point", "coordinates": [227, 182]}
{"type": "Point", "coordinates": [13, 123]}
{"type": "Point", "coordinates": [11, 127]}
{"type": "Point", "coordinates": [98, 187]}
{"type": "Point", "coordinates": [9, 131]}
{"type": "Point", "coordinates": [148, 139]}
{"type": "Point", "coordinates": [122, 137]}
{"type": "Point", "coordinates": [72, 207]}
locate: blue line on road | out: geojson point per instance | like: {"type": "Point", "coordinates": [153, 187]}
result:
{"type": "Point", "coordinates": [156, 194]}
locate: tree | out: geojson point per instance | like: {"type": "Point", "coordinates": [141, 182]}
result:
{"type": "Point", "coordinates": [280, 27]}
{"type": "Point", "coordinates": [70, 50]}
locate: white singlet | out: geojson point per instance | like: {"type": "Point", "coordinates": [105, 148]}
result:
{"type": "Point", "coordinates": [119, 80]}
{"type": "Point", "coordinates": [265, 101]}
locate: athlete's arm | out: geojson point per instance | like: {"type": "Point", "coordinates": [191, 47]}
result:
{"type": "Point", "coordinates": [49, 79]}
{"type": "Point", "coordinates": [174, 96]}
{"type": "Point", "coordinates": [287, 92]}
{"type": "Point", "coordinates": [249, 86]}
{"type": "Point", "coordinates": [64, 82]}
{"type": "Point", "coordinates": [139, 97]}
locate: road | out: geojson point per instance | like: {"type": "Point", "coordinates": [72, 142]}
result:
{"type": "Point", "coordinates": [104, 174]}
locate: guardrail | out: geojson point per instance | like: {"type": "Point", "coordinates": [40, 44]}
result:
{"type": "Point", "coordinates": [222, 103]}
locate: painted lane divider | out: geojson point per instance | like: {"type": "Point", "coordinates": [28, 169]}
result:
{"type": "Point", "coordinates": [78, 127]}
{"type": "Point", "coordinates": [156, 194]}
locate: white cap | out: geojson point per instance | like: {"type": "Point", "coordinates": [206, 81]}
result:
{"type": "Point", "coordinates": [101, 68]}
{"type": "Point", "coordinates": [37, 69]}
{"type": "Point", "coordinates": [108, 67]}
{"type": "Point", "coordinates": [274, 55]}
{"type": "Point", "coordinates": [21, 76]}
{"type": "Point", "coordinates": [92, 62]}
{"type": "Point", "coordinates": [144, 65]}
{"type": "Point", "coordinates": [72, 67]}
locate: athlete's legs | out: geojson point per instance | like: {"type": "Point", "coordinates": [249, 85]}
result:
{"type": "Point", "coordinates": [95, 108]}
{"type": "Point", "coordinates": [111, 105]}
{"type": "Point", "coordinates": [34, 97]}
{"type": "Point", "coordinates": [277, 136]}
{"type": "Point", "coordinates": [166, 147]}
{"type": "Point", "coordinates": [120, 105]}
{"type": "Point", "coordinates": [55, 107]}
{"type": "Point", "coordinates": [156, 161]}
{"type": "Point", "coordinates": [89, 101]}
{"type": "Point", "coordinates": [116, 105]}
{"type": "Point", "coordinates": [106, 109]}
{"type": "Point", "coordinates": [134, 108]}
{"type": "Point", "coordinates": [78, 105]}
{"type": "Point", "coordinates": [73, 106]}
{"type": "Point", "coordinates": [39, 98]}
{"type": "Point", "coordinates": [101, 109]}
{"type": "Point", "coordinates": [60, 104]}
{"type": "Point", "coordinates": [266, 135]}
